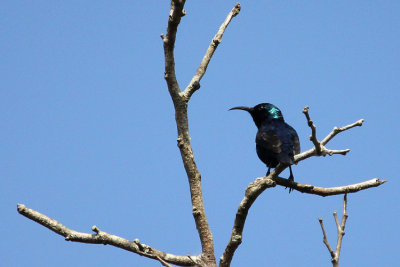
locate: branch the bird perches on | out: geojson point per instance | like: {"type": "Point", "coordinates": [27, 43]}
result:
{"type": "Point", "coordinates": [262, 183]}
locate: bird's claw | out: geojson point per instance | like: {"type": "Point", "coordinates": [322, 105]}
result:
{"type": "Point", "coordinates": [291, 179]}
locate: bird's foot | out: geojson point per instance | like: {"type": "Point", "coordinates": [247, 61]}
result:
{"type": "Point", "coordinates": [291, 179]}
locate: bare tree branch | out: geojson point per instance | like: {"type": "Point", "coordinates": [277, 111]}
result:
{"type": "Point", "coordinates": [252, 192]}
{"type": "Point", "coordinates": [260, 184]}
{"type": "Point", "coordinates": [175, 15]}
{"type": "Point", "coordinates": [340, 231]}
{"type": "Point", "coordinates": [313, 136]}
{"type": "Point", "coordinates": [337, 130]}
{"type": "Point", "coordinates": [330, 191]}
{"type": "Point", "coordinates": [341, 228]}
{"type": "Point", "coordinates": [319, 146]}
{"type": "Point", "coordinates": [195, 82]}
{"type": "Point", "coordinates": [180, 100]}
{"type": "Point", "coordinates": [325, 240]}
{"type": "Point", "coordinates": [101, 237]}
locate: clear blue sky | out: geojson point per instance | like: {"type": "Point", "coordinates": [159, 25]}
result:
{"type": "Point", "coordinates": [88, 135]}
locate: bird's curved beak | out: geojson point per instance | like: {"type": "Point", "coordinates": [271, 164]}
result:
{"type": "Point", "coordinates": [243, 108]}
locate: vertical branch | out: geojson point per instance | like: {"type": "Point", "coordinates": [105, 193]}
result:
{"type": "Point", "coordinates": [340, 232]}
{"type": "Point", "coordinates": [313, 136]}
{"type": "Point", "coordinates": [341, 228]}
{"type": "Point", "coordinates": [183, 139]}
{"type": "Point", "coordinates": [180, 100]}
{"type": "Point", "coordinates": [325, 240]}
{"type": "Point", "coordinates": [174, 18]}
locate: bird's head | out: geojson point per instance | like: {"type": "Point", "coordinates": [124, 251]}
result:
{"type": "Point", "coordinates": [262, 112]}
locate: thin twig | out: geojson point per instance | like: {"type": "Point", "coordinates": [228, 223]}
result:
{"type": "Point", "coordinates": [319, 148]}
{"type": "Point", "coordinates": [325, 240]}
{"type": "Point", "coordinates": [313, 136]}
{"type": "Point", "coordinates": [163, 262]}
{"type": "Point", "coordinates": [342, 226]}
{"type": "Point", "coordinates": [340, 232]}
{"type": "Point", "coordinates": [195, 82]}
{"type": "Point", "coordinates": [337, 130]}
{"type": "Point", "coordinates": [101, 237]}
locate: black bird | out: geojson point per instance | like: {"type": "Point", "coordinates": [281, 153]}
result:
{"type": "Point", "coordinates": [276, 141]}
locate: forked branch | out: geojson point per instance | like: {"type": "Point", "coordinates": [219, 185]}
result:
{"type": "Point", "coordinates": [180, 100]}
{"type": "Point", "coordinates": [319, 146]}
{"type": "Point", "coordinates": [340, 232]}
{"type": "Point", "coordinates": [260, 184]}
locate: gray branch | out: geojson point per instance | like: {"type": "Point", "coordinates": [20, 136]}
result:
{"type": "Point", "coordinates": [252, 192]}
{"type": "Point", "coordinates": [319, 146]}
{"type": "Point", "coordinates": [328, 191]}
{"type": "Point", "coordinates": [180, 100]}
{"type": "Point", "coordinates": [337, 130]}
{"type": "Point", "coordinates": [100, 237]}
{"type": "Point", "coordinates": [313, 136]}
{"type": "Point", "coordinates": [325, 240]}
{"type": "Point", "coordinates": [340, 232]}
{"type": "Point", "coordinates": [195, 82]}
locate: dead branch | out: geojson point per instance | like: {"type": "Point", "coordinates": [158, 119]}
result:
{"type": "Point", "coordinates": [195, 82]}
{"type": "Point", "coordinates": [252, 192]}
{"type": "Point", "coordinates": [319, 148]}
{"type": "Point", "coordinates": [340, 231]}
{"type": "Point", "coordinates": [100, 237]}
{"type": "Point", "coordinates": [180, 100]}
{"type": "Point", "coordinates": [260, 184]}
{"type": "Point", "coordinates": [330, 191]}
{"type": "Point", "coordinates": [313, 136]}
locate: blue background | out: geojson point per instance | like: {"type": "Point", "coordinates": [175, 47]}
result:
{"type": "Point", "coordinates": [88, 135]}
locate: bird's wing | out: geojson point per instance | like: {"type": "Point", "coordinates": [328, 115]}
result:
{"type": "Point", "coordinates": [294, 140]}
{"type": "Point", "coordinates": [269, 140]}
{"type": "Point", "coordinates": [296, 144]}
